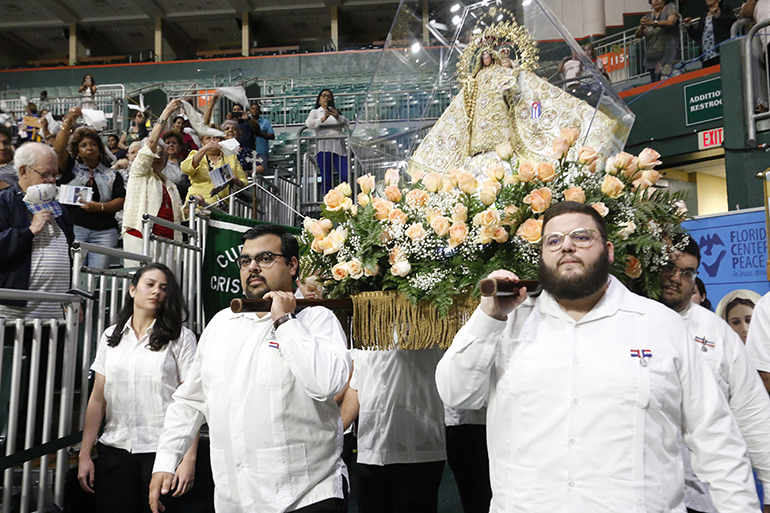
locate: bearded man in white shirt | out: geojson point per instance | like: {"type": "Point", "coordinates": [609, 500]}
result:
{"type": "Point", "coordinates": [729, 361]}
{"type": "Point", "coordinates": [587, 387]}
{"type": "Point", "coordinates": [265, 384]}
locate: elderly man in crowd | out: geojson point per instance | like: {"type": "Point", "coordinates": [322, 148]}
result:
{"type": "Point", "coordinates": [265, 383]}
{"type": "Point", "coordinates": [7, 171]}
{"type": "Point", "coordinates": [588, 386]}
{"type": "Point", "coordinates": [35, 234]}
{"type": "Point", "coordinates": [730, 364]}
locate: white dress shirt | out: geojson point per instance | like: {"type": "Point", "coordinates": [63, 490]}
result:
{"type": "Point", "coordinates": [267, 395]}
{"type": "Point", "coordinates": [139, 384]}
{"type": "Point", "coordinates": [401, 416]}
{"type": "Point", "coordinates": [332, 126]}
{"type": "Point", "coordinates": [758, 339]}
{"type": "Point", "coordinates": [578, 422]}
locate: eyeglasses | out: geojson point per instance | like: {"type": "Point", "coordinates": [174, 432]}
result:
{"type": "Point", "coordinates": [669, 270]}
{"type": "Point", "coordinates": [44, 176]}
{"type": "Point", "coordinates": [264, 260]}
{"type": "Point", "coordinates": [580, 237]}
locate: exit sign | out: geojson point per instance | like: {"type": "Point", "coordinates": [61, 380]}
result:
{"type": "Point", "coordinates": [711, 138]}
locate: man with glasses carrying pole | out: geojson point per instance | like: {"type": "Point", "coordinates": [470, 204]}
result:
{"type": "Point", "coordinates": [265, 383]}
{"type": "Point", "coordinates": [588, 385]}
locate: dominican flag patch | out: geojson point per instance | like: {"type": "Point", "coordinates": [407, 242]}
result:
{"type": "Point", "coordinates": [274, 344]}
{"type": "Point", "coordinates": [536, 111]}
{"type": "Point", "coordinates": [641, 353]}
{"type": "Point", "coordinates": [702, 340]}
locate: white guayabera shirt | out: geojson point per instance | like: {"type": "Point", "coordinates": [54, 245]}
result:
{"type": "Point", "coordinates": [139, 384]}
{"type": "Point", "coordinates": [584, 416]}
{"type": "Point", "coordinates": [745, 393]}
{"type": "Point", "coordinates": [267, 395]}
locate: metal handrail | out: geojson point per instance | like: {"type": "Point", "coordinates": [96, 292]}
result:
{"type": "Point", "coordinates": [736, 27]}
{"type": "Point", "coordinates": [748, 84]}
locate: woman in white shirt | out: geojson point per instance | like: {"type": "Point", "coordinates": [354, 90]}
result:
{"type": "Point", "coordinates": [140, 362]}
{"type": "Point", "coordinates": [331, 154]}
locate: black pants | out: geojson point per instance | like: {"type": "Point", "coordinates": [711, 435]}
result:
{"type": "Point", "coordinates": [466, 448]}
{"type": "Point", "coordinates": [399, 488]}
{"type": "Point", "coordinates": [122, 482]}
{"type": "Point", "coordinates": [329, 505]}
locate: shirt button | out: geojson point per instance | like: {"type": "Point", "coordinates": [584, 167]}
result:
{"type": "Point", "coordinates": [573, 441]}
{"type": "Point", "coordinates": [577, 361]}
{"type": "Point", "coordinates": [571, 484]}
{"type": "Point", "coordinates": [575, 401]}
{"type": "Point", "coordinates": [640, 501]}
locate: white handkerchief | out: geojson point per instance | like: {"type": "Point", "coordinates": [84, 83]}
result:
{"type": "Point", "coordinates": [230, 147]}
{"type": "Point", "coordinates": [236, 94]}
{"type": "Point", "coordinates": [94, 118]}
{"type": "Point", "coordinates": [196, 120]}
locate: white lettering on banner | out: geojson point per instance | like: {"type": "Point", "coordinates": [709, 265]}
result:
{"type": "Point", "coordinates": [711, 138]}
{"type": "Point", "coordinates": [230, 255]}
{"type": "Point", "coordinates": [707, 96]}
{"type": "Point", "coordinates": [706, 105]}
{"type": "Point", "coordinates": [225, 284]}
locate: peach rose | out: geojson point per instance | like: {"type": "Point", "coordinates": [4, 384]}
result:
{"type": "Point", "coordinates": [612, 186]}
{"type": "Point", "coordinates": [601, 208]}
{"type": "Point", "coordinates": [416, 198]}
{"type": "Point", "coordinates": [392, 193]}
{"type": "Point", "coordinates": [633, 267]}
{"type": "Point", "coordinates": [625, 232]}
{"type": "Point", "coordinates": [511, 179]}
{"type": "Point", "coordinates": [467, 182]}
{"type": "Point", "coordinates": [560, 148]}
{"type": "Point", "coordinates": [395, 255]}
{"type": "Point", "coordinates": [317, 245]}
{"type": "Point", "coordinates": [340, 271]}
{"type": "Point", "coordinates": [504, 151]}
{"type": "Point", "coordinates": [539, 200]}
{"type": "Point", "coordinates": [488, 195]}
{"type": "Point", "coordinates": [500, 234]}
{"type": "Point", "coordinates": [623, 160]}
{"type": "Point", "coordinates": [355, 269]}
{"type": "Point", "coordinates": [344, 188]}
{"type": "Point", "coordinates": [454, 176]}
{"type": "Point", "coordinates": [397, 216]}
{"type": "Point", "coordinates": [459, 213]}
{"type": "Point", "coordinates": [448, 187]}
{"type": "Point", "coordinates": [335, 200]}
{"type": "Point", "coordinates": [334, 242]}
{"type": "Point", "coordinates": [401, 268]}
{"type": "Point", "coordinates": [495, 173]}
{"type": "Point", "coordinates": [546, 171]}
{"type": "Point", "coordinates": [648, 159]}
{"type": "Point", "coordinates": [646, 179]}
{"type": "Point", "coordinates": [587, 155]}
{"type": "Point", "coordinates": [381, 208]}
{"type": "Point", "coordinates": [609, 166]}
{"type": "Point", "coordinates": [485, 235]}
{"type": "Point", "coordinates": [391, 176]}
{"type": "Point", "coordinates": [440, 225]}
{"type": "Point", "coordinates": [319, 228]}
{"type": "Point", "coordinates": [363, 199]}
{"type": "Point", "coordinates": [531, 230]}
{"type": "Point", "coordinates": [417, 176]}
{"type": "Point", "coordinates": [489, 217]}
{"type": "Point", "coordinates": [366, 183]}
{"type": "Point", "coordinates": [527, 171]}
{"type": "Point", "coordinates": [433, 182]}
{"type": "Point", "coordinates": [458, 232]}
{"type": "Point", "coordinates": [431, 214]}
{"type": "Point", "coordinates": [416, 231]}
{"type": "Point", "coordinates": [372, 271]}
{"type": "Point", "coordinates": [570, 135]}
{"type": "Point", "coordinates": [575, 193]}
{"type": "Point", "coordinates": [509, 214]}
{"type": "Point", "coordinates": [632, 172]}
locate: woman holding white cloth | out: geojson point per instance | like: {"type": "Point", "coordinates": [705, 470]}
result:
{"type": "Point", "coordinates": [331, 154]}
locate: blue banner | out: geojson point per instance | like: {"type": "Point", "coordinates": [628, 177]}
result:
{"type": "Point", "coordinates": [733, 250]}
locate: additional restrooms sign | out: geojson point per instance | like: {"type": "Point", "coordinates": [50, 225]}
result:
{"type": "Point", "coordinates": [703, 101]}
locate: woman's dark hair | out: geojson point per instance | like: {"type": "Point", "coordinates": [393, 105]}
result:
{"type": "Point", "coordinates": [178, 117]}
{"type": "Point", "coordinates": [173, 133]}
{"type": "Point", "coordinates": [169, 316]}
{"type": "Point", "coordinates": [32, 107]}
{"type": "Point", "coordinates": [705, 302]}
{"type": "Point", "coordinates": [85, 132]}
{"type": "Point", "coordinates": [735, 302]}
{"type": "Point", "coordinates": [318, 99]}
{"type": "Point", "coordinates": [93, 81]}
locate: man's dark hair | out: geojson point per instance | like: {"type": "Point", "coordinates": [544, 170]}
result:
{"type": "Point", "coordinates": [289, 244]}
{"type": "Point", "coordinates": [691, 248]}
{"type": "Point", "coordinates": [573, 207]}
{"type": "Point", "coordinates": [7, 132]}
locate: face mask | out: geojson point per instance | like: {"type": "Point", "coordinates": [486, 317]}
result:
{"type": "Point", "coordinates": [41, 193]}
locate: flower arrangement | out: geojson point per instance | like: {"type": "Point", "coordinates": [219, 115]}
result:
{"type": "Point", "coordinates": [441, 234]}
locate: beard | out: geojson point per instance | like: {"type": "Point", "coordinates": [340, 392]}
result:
{"type": "Point", "coordinates": [578, 286]}
{"type": "Point", "coordinates": [255, 291]}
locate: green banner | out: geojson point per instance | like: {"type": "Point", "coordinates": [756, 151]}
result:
{"type": "Point", "coordinates": [221, 276]}
{"type": "Point", "coordinates": [703, 101]}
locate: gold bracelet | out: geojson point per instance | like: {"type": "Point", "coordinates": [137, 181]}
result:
{"type": "Point", "coordinates": [66, 128]}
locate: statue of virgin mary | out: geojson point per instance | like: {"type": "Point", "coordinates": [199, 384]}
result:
{"type": "Point", "coordinates": [503, 101]}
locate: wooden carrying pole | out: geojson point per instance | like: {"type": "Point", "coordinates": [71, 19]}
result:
{"type": "Point", "coordinates": [493, 287]}
{"type": "Point", "coordinates": [239, 305]}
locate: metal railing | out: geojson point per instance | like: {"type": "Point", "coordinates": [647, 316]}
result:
{"type": "Point", "coordinates": [309, 194]}
{"type": "Point", "coordinates": [753, 86]}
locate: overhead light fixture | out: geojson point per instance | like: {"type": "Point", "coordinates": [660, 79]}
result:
{"type": "Point", "coordinates": [456, 20]}
{"type": "Point", "coordinates": [415, 47]}
{"type": "Point", "coordinates": [455, 8]}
